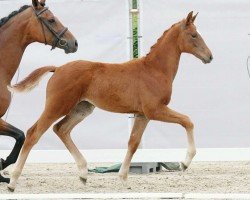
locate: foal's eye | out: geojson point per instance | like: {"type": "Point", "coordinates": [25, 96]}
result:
{"type": "Point", "coordinates": [194, 36]}
{"type": "Point", "coordinates": [51, 21]}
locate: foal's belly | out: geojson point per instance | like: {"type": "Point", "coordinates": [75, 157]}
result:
{"type": "Point", "coordinates": [119, 101]}
{"type": "Point", "coordinates": [112, 106]}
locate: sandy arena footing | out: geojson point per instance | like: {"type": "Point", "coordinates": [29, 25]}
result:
{"type": "Point", "coordinates": [201, 177]}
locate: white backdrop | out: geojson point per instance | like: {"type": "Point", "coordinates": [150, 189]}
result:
{"type": "Point", "coordinates": [215, 96]}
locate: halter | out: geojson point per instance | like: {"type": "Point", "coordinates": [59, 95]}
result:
{"type": "Point", "coordinates": [58, 36]}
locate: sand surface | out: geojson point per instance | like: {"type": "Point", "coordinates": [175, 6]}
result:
{"type": "Point", "coordinates": [212, 177]}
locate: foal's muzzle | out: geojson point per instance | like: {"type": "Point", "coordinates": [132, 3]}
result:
{"type": "Point", "coordinates": [207, 59]}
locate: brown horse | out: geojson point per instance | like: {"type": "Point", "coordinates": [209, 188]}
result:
{"type": "Point", "coordinates": [142, 86]}
{"type": "Point", "coordinates": [27, 25]}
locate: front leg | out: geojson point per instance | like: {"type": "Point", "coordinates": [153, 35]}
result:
{"type": "Point", "coordinates": [165, 114]}
{"type": "Point", "coordinates": [135, 138]}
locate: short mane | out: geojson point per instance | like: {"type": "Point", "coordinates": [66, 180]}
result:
{"type": "Point", "coordinates": [4, 20]}
{"type": "Point", "coordinates": [160, 39]}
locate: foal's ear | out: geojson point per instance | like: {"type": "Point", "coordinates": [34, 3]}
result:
{"type": "Point", "coordinates": [35, 3]}
{"type": "Point", "coordinates": [194, 17]}
{"type": "Point", "coordinates": [42, 3]}
{"type": "Point", "coordinates": [189, 18]}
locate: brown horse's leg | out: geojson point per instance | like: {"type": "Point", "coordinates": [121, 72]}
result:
{"type": "Point", "coordinates": [65, 126]}
{"type": "Point", "coordinates": [9, 130]}
{"type": "Point", "coordinates": [134, 141]}
{"type": "Point", "coordinates": [33, 135]}
{"type": "Point", "coordinates": [165, 114]}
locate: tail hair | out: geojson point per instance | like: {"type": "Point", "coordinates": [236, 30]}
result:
{"type": "Point", "coordinates": [32, 80]}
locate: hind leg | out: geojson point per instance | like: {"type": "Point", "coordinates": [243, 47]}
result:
{"type": "Point", "coordinates": [65, 126]}
{"type": "Point", "coordinates": [33, 135]}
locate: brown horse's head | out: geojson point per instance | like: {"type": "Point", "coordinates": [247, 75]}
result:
{"type": "Point", "coordinates": [190, 41]}
{"type": "Point", "coordinates": [46, 28]}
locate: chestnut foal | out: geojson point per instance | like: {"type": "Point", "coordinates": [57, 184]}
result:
{"type": "Point", "coordinates": [29, 24]}
{"type": "Point", "coordinates": [141, 86]}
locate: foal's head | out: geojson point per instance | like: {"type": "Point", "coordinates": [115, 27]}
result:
{"type": "Point", "coordinates": [190, 40]}
{"type": "Point", "coordinates": [46, 28]}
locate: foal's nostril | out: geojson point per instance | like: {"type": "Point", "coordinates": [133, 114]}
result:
{"type": "Point", "coordinates": [76, 43]}
{"type": "Point", "coordinates": [211, 57]}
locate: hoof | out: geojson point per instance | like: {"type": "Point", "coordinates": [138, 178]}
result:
{"type": "Point", "coordinates": [10, 188]}
{"type": "Point", "coordinates": [125, 183]}
{"type": "Point", "coordinates": [4, 180]}
{"type": "Point", "coordinates": [123, 176]}
{"type": "Point", "coordinates": [83, 180]}
{"type": "Point", "coordinates": [183, 167]}
{"type": "Point", "coordinates": [123, 180]}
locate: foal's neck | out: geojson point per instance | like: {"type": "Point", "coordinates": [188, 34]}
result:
{"type": "Point", "coordinates": [165, 54]}
{"type": "Point", "coordinates": [14, 39]}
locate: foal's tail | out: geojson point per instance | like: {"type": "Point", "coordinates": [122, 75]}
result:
{"type": "Point", "coordinates": [32, 80]}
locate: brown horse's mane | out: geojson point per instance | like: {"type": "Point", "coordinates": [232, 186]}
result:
{"type": "Point", "coordinates": [160, 39]}
{"type": "Point", "coordinates": [4, 20]}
